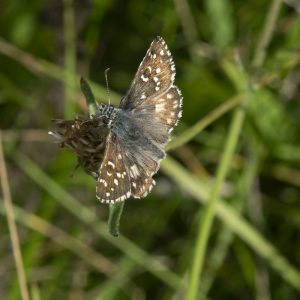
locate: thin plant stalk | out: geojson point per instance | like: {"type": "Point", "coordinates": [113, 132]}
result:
{"type": "Point", "coordinates": [207, 221]}
{"type": "Point", "coordinates": [70, 59]}
{"type": "Point", "coordinates": [267, 33]}
{"type": "Point", "coordinates": [234, 221]}
{"type": "Point", "coordinates": [12, 226]}
{"type": "Point", "coordinates": [236, 125]}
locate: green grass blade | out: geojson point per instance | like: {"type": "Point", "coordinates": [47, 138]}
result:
{"type": "Point", "coordinates": [206, 224]}
{"type": "Point", "coordinates": [234, 222]}
{"type": "Point", "coordinates": [70, 59]}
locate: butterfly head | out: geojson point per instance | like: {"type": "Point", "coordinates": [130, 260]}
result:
{"type": "Point", "coordinates": [107, 113]}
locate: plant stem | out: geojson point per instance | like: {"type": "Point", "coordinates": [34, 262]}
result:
{"type": "Point", "coordinates": [266, 35]}
{"type": "Point", "coordinates": [115, 213]}
{"type": "Point", "coordinates": [70, 58]}
{"type": "Point", "coordinates": [206, 224]}
{"type": "Point", "coordinates": [12, 226]}
{"type": "Point", "coordinates": [234, 221]}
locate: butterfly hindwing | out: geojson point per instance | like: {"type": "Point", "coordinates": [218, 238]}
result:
{"type": "Point", "coordinates": [142, 166]}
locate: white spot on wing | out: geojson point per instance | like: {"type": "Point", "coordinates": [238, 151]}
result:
{"type": "Point", "coordinates": [134, 171]}
{"type": "Point", "coordinates": [159, 107]}
{"type": "Point", "coordinates": [116, 181]}
{"type": "Point", "coordinates": [145, 79]}
{"type": "Point", "coordinates": [111, 164]}
{"type": "Point", "coordinates": [103, 181]}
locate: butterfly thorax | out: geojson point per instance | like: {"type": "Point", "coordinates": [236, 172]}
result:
{"type": "Point", "coordinates": [108, 113]}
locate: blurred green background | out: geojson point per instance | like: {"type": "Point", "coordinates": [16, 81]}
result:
{"type": "Point", "coordinates": [229, 55]}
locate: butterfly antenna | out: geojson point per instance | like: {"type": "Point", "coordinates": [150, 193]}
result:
{"type": "Point", "coordinates": [106, 80]}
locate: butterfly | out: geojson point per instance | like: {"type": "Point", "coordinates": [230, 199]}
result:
{"type": "Point", "coordinates": [140, 128]}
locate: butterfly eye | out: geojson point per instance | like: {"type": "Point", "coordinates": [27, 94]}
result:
{"type": "Point", "coordinates": [101, 110]}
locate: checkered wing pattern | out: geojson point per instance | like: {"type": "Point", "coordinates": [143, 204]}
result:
{"type": "Point", "coordinates": [159, 115]}
{"type": "Point", "coordinates": [113, 182]}
{"type": "Point", "coordinates": [154, 76]}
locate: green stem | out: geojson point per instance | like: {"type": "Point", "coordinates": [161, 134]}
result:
{"type": "Point", "coordinates": [70, 58]}
{"type": "Point", "coordinates": [115, 213]}
{"type": "Point", "coordinates": [234, 221]}
{"type": "Point", "coordinates": [89, 96]}
{"type": "Point", "coordinates": [206, 224]}
{"type": "Point", "coordinates": [267, 33]}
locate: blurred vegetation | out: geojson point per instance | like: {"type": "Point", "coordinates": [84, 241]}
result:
{"type": "Point", "coordinates": [236, 147]}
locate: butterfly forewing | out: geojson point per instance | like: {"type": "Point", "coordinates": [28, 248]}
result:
{"type": "Point", "coordinates": [154, 76]}
{"type": "Point", "coordinates": [113, 182]}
